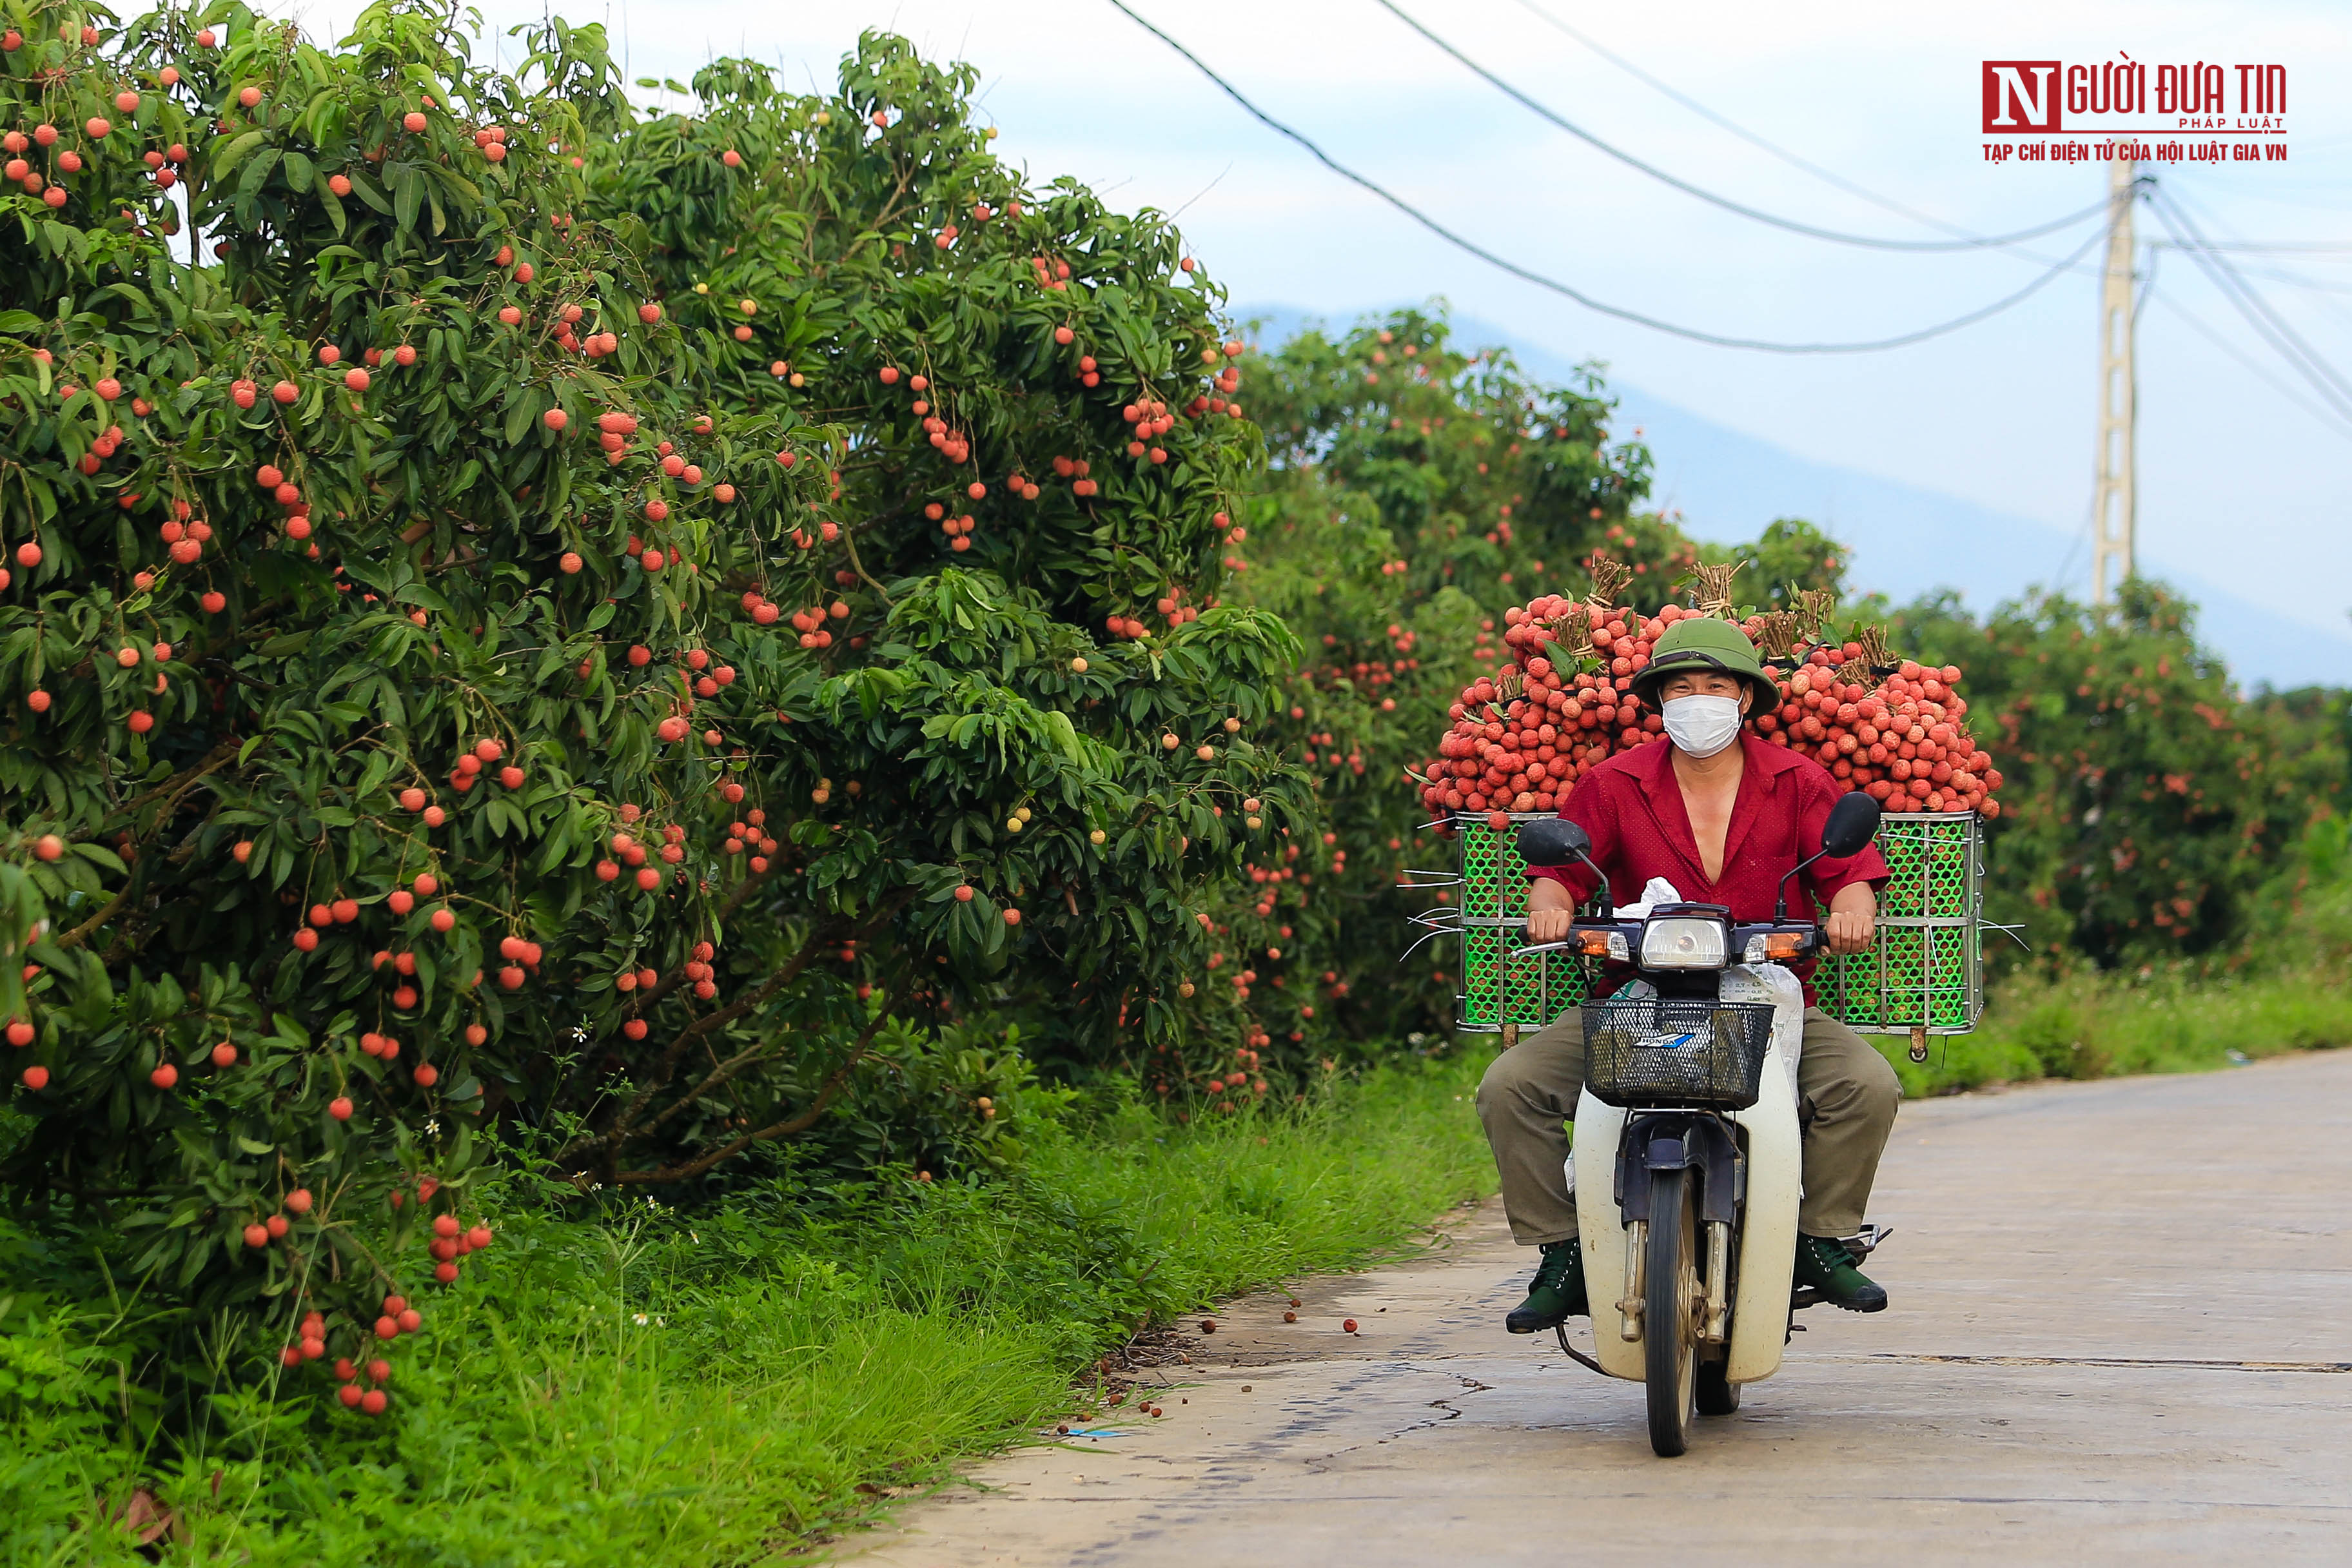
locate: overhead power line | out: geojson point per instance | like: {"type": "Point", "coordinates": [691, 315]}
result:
{"type": "Point", "coordinates": [2284, 389]}
{"type": "Point", "coordinates": [1751, 137]}
{"type": "Point", "coordinates": [1725, 202]}
{"type": "Point", "coordinates": [1570, 291]}
{"type": "Point", "coordinates": [2306, 360]}
{"type": "Point", "coordinates": [2285, 248]}
{"type": "Point", "coordinates": [2276, 275]}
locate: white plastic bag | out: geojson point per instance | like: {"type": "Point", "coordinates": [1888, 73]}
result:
{"type": "Point", "coordinates": [1778, 984]}
{"type": "Point", "coordinates": [1656, 891]}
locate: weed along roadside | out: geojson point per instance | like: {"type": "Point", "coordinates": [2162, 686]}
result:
{"type": "Point", "coordinates": [658, 1385]}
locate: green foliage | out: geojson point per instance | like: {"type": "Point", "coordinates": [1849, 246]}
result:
{"type": "Point", "coordinates": [997, 351]}
{"type": "Point", "coordinates": [1418, 488]}
{"type": "Point", "coordinates": [1789, 555]}
{"type": "Point", "coordinates": [644, 1384]}
{"type": "Point", "coordinates": [2145, 804]}
{"type": "Point", "coordinates": [2181, 1018]}
{"type": "Point", "coordinates": [477, 668]}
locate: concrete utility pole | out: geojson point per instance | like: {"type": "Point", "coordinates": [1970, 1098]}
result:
{"type": "Point", "coordinates": [2115, 502]}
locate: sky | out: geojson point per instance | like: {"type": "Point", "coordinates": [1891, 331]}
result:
{"type": "Point", "coordinates": [2241, 481]}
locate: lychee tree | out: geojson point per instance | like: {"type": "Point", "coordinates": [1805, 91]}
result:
{"type": "Point", "coordinates": [1420, 487]}
{"type": "Point", "coordinates": [448, 682]}
{"type": "Point", "coordinates": [320, 714]}
{"type": "Point", "coordinates": [2147, 803]}
{"type": "Point", "coordinates": [1046, 458]}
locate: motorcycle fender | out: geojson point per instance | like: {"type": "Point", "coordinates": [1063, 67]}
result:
{"type": "Point", "coordinates": [1767, 1239]}
{"type": "Point", "coordinates": [1593, 1169]}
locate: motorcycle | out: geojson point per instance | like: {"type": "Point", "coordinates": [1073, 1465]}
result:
{"type": "Point", "coordinates": [1685, 1139]}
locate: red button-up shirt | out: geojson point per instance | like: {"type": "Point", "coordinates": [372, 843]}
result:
{"type": "Point", "coordinates": [1631, 804]}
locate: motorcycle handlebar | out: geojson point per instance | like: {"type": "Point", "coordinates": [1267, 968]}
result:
{"type": "Point", "coordinates": [1812, 939]}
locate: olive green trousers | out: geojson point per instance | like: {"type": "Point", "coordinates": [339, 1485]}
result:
{"type": "Point", "coordinates": [1846, 1098]}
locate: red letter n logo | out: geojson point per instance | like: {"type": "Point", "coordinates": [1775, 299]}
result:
{"type": "Point", "coordinates": [2020, 96]}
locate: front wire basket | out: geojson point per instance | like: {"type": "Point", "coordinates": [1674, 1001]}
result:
{"type": "Point", "coordinates": [1649, 1051]}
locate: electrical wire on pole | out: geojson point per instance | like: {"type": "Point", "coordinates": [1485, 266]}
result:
{"type": "Point", "coordinates": [1570, 291]}
{"type": "Point", "coordinates": [1725, 202]}
{"type": "Point", "coordinates": [2282, 247]}
{"type": "Point", "coordinates": [2214, 335]}
{"type": "Point", "coordinates": [2293, 279]}
{"type": "Point", "coordinates": [2176, 201]}
{"type": "Point", "coordinates": [2334, 389]}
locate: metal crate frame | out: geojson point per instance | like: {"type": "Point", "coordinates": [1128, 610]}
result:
{"type": "Point", "coordinates": [1925, 975]}
{"type": "Point", "coordinates": [1498, 994]}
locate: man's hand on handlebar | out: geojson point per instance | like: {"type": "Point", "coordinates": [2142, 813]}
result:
{"type": "Point", "coordinates": [1550, 910]}
{"type": "Point", "coordinates": [1852, 921]}
{"type": "Point", "coordinates": [1850, 927]}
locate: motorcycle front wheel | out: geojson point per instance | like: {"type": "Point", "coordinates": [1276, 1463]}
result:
{"type": "Point", "coordinates": [1670, 1311]}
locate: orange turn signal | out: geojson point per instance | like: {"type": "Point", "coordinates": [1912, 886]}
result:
{"type": "Point", "coordinates": [1592, 944]}
{"type": "Point", "coordinates": [1784, 943]}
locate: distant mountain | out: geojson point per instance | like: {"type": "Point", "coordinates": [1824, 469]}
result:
{"type": "Point", "coordinates": [1728, 485]}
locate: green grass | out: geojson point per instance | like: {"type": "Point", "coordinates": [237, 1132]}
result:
{"type": "Point", "coordinates": [646, 1386]}
{"type": "Point", "coordinates": [2276, 993]}
{"type": "Point", "coordinates": [650, 1386]}
{"type": "Point", "coordinates": [2106, 1026]}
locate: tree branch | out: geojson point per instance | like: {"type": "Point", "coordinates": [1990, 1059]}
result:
{"type": "Point", "coordinates": [735, 1066]}
{"type": "Point", "coordinates": [847, 538]}
{"type": "Point", "coordinates": [741, 891]}
{"type": "Point", "coordinates": [609, 1143]}
{"type": "Point", "coordinates": [786, 1129]}
{"type": "Point", "coordinates": [80, 934]}
{"type": "Point", "coordinates": [176, 789]}
{"type": "Point", "coordinates": [219, 757]}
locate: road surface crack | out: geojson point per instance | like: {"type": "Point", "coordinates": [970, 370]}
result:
{"type": "Point", "coordinates": [1453, 1412]}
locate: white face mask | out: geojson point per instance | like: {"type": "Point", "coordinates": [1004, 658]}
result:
{"type": "Point", "coordinates": [1701, 726]}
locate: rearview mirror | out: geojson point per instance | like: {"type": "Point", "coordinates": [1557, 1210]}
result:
{"type": "Point", "coordinates": [1853, 823]}
{"type": "Point", "coordinates": [1556, 841]}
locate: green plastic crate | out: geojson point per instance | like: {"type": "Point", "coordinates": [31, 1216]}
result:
{"type": "Point", "coordinates": [1925, 972]}
{"type": "Point", "coordinates": [1528, 993]}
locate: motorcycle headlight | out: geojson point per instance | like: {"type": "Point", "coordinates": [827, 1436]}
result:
{"type": "Point", "coordinates": [1681, 941]}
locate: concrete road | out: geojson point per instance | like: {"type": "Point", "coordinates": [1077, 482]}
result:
{"type": "Point", "coordinates": [2119, 1334]}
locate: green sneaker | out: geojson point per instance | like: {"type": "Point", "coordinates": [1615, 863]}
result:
{"type": "Point", "coordinates": [1556, 1292]}
{"type": "Point", "coordinates": [1825, 1265]}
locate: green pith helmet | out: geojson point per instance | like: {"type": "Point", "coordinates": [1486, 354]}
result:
{"type": "Point", "coordinates": [1702, 642]}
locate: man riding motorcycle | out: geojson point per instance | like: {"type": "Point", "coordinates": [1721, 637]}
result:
{"type": "Point", "coordinates": [1723, 817]}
